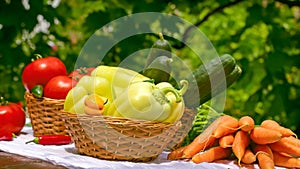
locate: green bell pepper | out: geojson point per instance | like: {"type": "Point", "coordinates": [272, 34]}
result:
{"type": "Point", "coordinates": [147, 101]}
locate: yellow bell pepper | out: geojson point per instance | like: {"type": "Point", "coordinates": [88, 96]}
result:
{"type": "Point", "coordinates": [177, 108]}
{"type": "Point", "coordinates": [119, 78]}
{"type": "Point", "coordinates": [87, 87]}
{"type": "Point", "coordinates": [108, 82]}
{"type": "Point", "coordinates": [121, 92]}
{"type": "Point", "coordinates": [147, 101]}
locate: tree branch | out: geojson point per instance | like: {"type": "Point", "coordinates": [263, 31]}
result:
{"type": "Point", "coordinates": [290, 3]}
{"type": "Point", "coordinates": [205, 18]}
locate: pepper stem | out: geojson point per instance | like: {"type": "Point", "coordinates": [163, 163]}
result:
{"type": "Point", "coordinates": [35, 140]}
{"type": "Point", "coordinates": [185, 85]}
{"type": "Point", "coordinates": [161, 36]}
{"type": "Point", "coordinates": [149, 80]}
{"type": "Point", "coordinates": [37, 91]}
{"type": "Point", "coordinates": [177, 94]}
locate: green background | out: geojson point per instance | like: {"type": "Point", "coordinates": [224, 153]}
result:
{"type": "Point", "coordinates": [262, 35]}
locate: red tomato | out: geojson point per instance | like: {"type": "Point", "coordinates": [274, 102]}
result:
{"type": "Point", "coordinates": [12, 118]}
{"type": "Point", "coordinates": [77, 74]}
{"type": "Point", "coordinates": [58, 87]}
{"type": "Point", "coordinates": [40, 71]}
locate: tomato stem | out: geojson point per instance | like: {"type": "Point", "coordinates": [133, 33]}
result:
{"type": "Point", "coordinates": [37, 56]}
{"type": "Point", "coordinates": [3, 101]}
{"type": "Point", "coordinates": [82, 70]}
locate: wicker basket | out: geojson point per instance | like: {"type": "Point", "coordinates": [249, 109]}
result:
{"type": "Point", "coordinates": [44, 114]}
{"type": "Point", "coordinates": [114, 138]}
{"type": "Point", "coordinates": [187, 123]}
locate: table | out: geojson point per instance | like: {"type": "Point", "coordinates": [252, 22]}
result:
{"type": "Point", "coordinates": [13, 161]}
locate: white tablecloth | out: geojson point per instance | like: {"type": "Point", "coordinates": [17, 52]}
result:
{"type": "Point", "coordinates": [66, 155]}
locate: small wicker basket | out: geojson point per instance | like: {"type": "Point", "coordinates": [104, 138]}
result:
{"type": "Point", "coordinates": [115, 138]}
{"type": "Point", "coordinates": [44, 114]}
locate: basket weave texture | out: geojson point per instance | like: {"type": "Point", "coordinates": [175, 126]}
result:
{"type": "Point", "coordinates": [115, 138]}
{"type": "Point", "coordinates": [44, 114]}
{"type": "Point", "coordinates": [187, 122]}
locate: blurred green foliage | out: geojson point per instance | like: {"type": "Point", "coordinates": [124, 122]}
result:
{"type": "Point", "coordinates": [262, 35]}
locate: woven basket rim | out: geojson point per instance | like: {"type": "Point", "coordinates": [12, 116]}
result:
{"type": "Point", "coordinates": [113, 119]}
{"type": "Point", "coordinates": [29, 94]}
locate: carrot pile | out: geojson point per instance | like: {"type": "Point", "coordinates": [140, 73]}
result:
{"type": "Point", "coordinates": [267, 144]}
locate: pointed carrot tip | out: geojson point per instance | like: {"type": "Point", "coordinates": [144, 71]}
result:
{"type": "Point", "coordinates": [184, 156]}
{"type": "Point", "coordinates": [295, 136]}
{"type": "Point", "coordinates": [239, 163]}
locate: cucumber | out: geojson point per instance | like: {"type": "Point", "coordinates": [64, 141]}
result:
{"type": "Point", "coordinates": [220, 87]}
{"type": "Point", "coordinates": [161, 47]}
{"type": "Point", "coordinates": [203, 75]}
{"type": "Point", "coordinates": [158, 66]}
{"type": "Point", "coordinates": [159, 70]}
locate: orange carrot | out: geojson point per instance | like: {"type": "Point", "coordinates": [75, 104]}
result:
{"type": "Point", "coordinates": [228, 125]}
{"type": "Point", "coordinates": [286, 145]}
{"type": "Point", "coordinates": [262, 135]}
{"type": "Point", "coordinates": [292, 140]}
{"type": "Point", "coordinates": [198, 145]}
{"type": "Point", "coordinates": [202, 141]}
{"type": "Point", "coordinates": [249, 157]}
{"type": "Point", "coordinates": [264, 148]}
{"type": "Point", "coordinates": [212, 154]}
{"type": "Point", "coordinates": [240, 143]}
{"type": "Point", "coordinates": [246, 123]}
{"type": "Point", "coordinates": [286, 161]}
{"type": "Point", "coordinates": [176, 154]}
{"type": "Point", "coordinates": [273, 125]}
{"type": "Point", "coordinates": [226, 141]}
{"type": "Point", "coordinates": [265, 161]}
